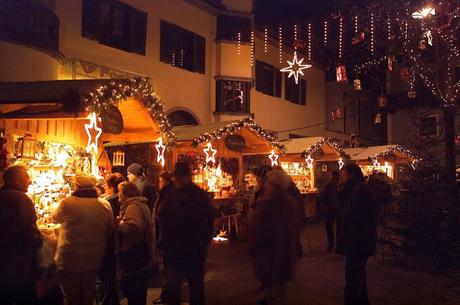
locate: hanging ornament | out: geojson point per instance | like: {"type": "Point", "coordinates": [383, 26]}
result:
{"type": "Point", "coordinates": [429, 37]}
{"type": "Point", "coordinates": [357, 85]}
{"type": "Point", "coordinates": [422, 44]}
{"type": "Point", "coordinates": [341, 163]}
{"type": "Point", "coordinates": [299, 44]}
{"type": "Point", "coordinates": [336, 114]}
{"type": "Point", "coordinates": [93, 133]}
{"type": "Point", "coordinates": [378, 118]}
{"type": "Point", "coordinates": [160, 151]}
{"type": "Point", "coordinates": [309, 161]}
{"type": "Point", "coordinates": [295, 67]}
{"type": "Point", "coordinates": [341, 73]}
{"type": "Point", "coordinates": [424, 12]}
{"type": "Point", "coordinates": [118, 158]}
{"type": "Point", "coordinates": [210, 153]}
{"type": "Point", "coordinates": [382, 100]}
{"type": "Point", "coordinates": [358, 38]}
{"type": "Point", "coordinates": [273, 158]}
{"type": "Point", "coordinates": [376, 163]}
{"type": "Point", "coordinates": [390, 63]}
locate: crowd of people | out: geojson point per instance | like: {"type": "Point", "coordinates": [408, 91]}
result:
{"type": "Point", "coordinates": [118, 235]}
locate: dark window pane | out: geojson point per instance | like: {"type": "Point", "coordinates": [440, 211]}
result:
{"type": "Point", "coordinates": [138, 31]}
{"type": "Point", "coordinates": [200, 54]}
{"type": "Point", "coordinates": [429, 127]}
{"type": "Point", "coordinates": [91, 18]}
{"type": "Point", "coordinates": [278, 82]}
{"type": "Point", "coordinates": [292, 90]}
{"type": "Point", "coordinates": [265, 78]}
{"type": "Point", "coordinates": [232, 96]}
{"type": "Point", "coordinates": [228, 28]}
{"type": "Point", "coordinates": [303, 92]}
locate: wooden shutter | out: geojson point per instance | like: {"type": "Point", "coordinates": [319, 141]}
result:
{"type": "Point", "coordinates": [165, 42]}
{"type": "Point", "coordinates": [303, 92]}
{"type": "Point", "coordinates": [138, 31]}
{"type": "Point", "coordinates": [259, 76]}
{"type": "Point", "coordinates": [278, 82]}
{"type": "Point", "coordinates": [199, 54]}
{"type": "Point", "coordinates": [91, 19]}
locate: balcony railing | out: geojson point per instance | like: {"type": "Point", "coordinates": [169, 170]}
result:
{"type": "Point", "coordinates": [30, 23]}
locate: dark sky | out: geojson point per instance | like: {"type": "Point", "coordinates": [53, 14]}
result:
{"type": "Point", "coordinates": [276, 11]}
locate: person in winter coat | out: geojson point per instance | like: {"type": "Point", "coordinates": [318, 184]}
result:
{"type": "Point", "coordinates": [186, 230]}
{"type": "Point", "coordinates": [166, 187]}
{"type": "Point", "coordinates": [358, 233]}
{"type": "Point", "coordinates": [328, 202]}
{"type": "Point", "coordinates": [108, 286]}
{"type": "Point", "coordinates": [86, 228]}
{"type": "Point", "coordinates": [20, 240]}
{"type": "Point", "coordinates": [274, 237]}
{"type": "Point", "coordinates": [136, 241]}
{"type": "Point", "coordinates": [136, 175]}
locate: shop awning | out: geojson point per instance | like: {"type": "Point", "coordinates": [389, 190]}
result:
{"type": "Point", "coordinates": [376, 152]}
{"type": "Point", "coordinates": [309, 145]}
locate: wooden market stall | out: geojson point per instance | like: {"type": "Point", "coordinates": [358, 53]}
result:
{"type": "Point", "coordinates": [388, 159]}
{"type": "Point", "coordinates": [57, 128]}
{"type": "Point", "coordinates": [309, 161]}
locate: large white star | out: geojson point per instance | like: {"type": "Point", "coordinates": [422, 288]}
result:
{"type": "Point", "coordinates": [295, 67]}
{"type": "Point", "coordinates": [274, 158]}
{"type": "Point", "coordinates": [210, 153]}
{"type": "Point", "coordinates": [92, 126]}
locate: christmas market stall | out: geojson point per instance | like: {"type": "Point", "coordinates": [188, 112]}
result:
{"type": "Point", "coordinates": [391, 160]}
{"type": "Point", "coordinates": [309, 161]}
{"type": "Point", "coordinates": [56, 129]}
{"type": "Point", "coordinates": [215, 153]}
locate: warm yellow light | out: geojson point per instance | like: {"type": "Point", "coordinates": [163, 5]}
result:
{"type": "Point", "coordinates": [424, 12]}
{"type": "Point", "coordinates": [309, 161]}
{"type": "Point", "coordinates": [92, 142]}
{"type": "Point", "coordinates": [160, 152]}
{"type": "Point", "coordinates": [273, 158]}
{"type": "Point", "coordinates": [210, 153]}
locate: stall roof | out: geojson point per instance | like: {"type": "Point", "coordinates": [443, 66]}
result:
{"type": "Point", "coordinates": [371, 152]}
{"type": "Point", "coordinates": [190, 132]}
{"type": "Point", "coordinates": [309, 145]}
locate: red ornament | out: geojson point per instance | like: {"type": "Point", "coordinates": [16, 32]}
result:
{"type": "Point", "coordinates": [358, 39]}
{"type": "Point", "coordinates": [341, 73]}
{"type": "Point", "coordinates": [299, 44]}
{"type": "Point", "coordinates": [382, 101]}
{"type": "Point", "coordinates": [404, 74]}
{"type": "Point", "coordinates": [390, 63]}
{"type": "Point", "coordinates": [336, 114]}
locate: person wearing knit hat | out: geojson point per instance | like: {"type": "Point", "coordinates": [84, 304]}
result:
{"type": "Point", "coordinates": [86, 229]}
{"type": "Point", "coordinates": [137, 176]}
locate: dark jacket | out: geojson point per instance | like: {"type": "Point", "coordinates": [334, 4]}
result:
{"type": "Point", "coordinates": [328, 201]}
{"type": "Point", "coordinates": [274, 237]}
{"type": "Point", "coordinates": [186, 224]}
{"type": "Point", "coordinates": [114, 204]}
{"type": "Point", "coordinates": [162, 201]}
{"type": "Point", "coordinates": [359, 220]}
{"type": "Point", "coordinates": [19, 237]}
{"type": "Point", "coordinates": [148, 191]}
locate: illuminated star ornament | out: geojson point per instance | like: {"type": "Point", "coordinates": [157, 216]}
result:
{"type": "Point", "coordinates": [93, 133]}
{"type": "Point", "coordinates": [341, 163]}
{"type": "Point", "coordinates": [210, 153]}
{"type": "Point", "coordinates": [424, 12]}
{"type": "Point", "coordinates": [309, 161]}
{"type": "Point", "coordinates": [160, 151]}
{"type": "Point", "coordinates": [376, 163]}
{"type": "Point", "coordinates": [274, 158]}
{"type": "Point", "coordinates": [295, 68]}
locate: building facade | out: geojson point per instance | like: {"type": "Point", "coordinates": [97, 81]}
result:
{"type": "Point", "coordinates": [206, 59]}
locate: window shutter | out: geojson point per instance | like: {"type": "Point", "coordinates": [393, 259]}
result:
{"type": "Point", "coordinates": [138, 31]}
{"type": "Point", "coordinates": [199, 53]}
{"type": "Point", "coordinates": [259, 76]}
{"type": "Point", "coordinates": [303, 92]}
{"type": "Point", "coordinates": [278, 82]}
{"type": "Point", "coordinates": [165, 42]}
{"type": "Point", "coordinates": [91, 19]}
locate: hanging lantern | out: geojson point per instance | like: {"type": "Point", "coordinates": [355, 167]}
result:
{"type": "Point", "coordinates": [382, 100]}
{"type": "Point", "coordinates": [299, 44]}
{"type": "Point", "coordinates": [412, 94]}
{"type": "Point", "coordinates": [422, 44]}
{"type": "Point", "coordinates": [118, 158]}
{"type": "Point", "coordinates": [341, 73]}
{"type": "Point", "coordinates": [404, 74]}
{"type": "Point", "coordinates": [378, 118]}
{"type": "Point", "coordinates": [357, 85]}
{"type": "Point", "coordinates": [358, 38]}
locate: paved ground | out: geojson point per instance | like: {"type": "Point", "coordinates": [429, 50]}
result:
{"type": "Point", "coordinates": [230, 281]}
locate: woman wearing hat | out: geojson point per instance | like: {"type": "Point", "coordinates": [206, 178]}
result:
{"type": "Point", "coordinates": [87, 226]}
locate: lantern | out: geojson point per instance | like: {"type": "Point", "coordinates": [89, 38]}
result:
{"type": "Point", "coordinates": [341, 73]}
{"type": "Point", "coordinates": [357, 85]}
{"type": "Point", "coordinates": [118, 158]}
{"type": "Point", "coordinates": [382, 101]}
{"type": "Point", "coordinates": [378, 118]}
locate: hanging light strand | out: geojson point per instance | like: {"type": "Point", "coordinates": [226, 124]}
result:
{"type": "Point", "coordinates": [239, 43]}
{"type": "Point", "coordinates": [280, 44]}
{"type": "Point", "coordinates": [356, 25]}
{"type": "Point", "coordinates": [325, 34]}
{"type": "Point", "coordinates": [340, 38]}
{"type": "Point", "coordinates": [295, 36]}
{"type": "Point", "coordinates": [310, 46]}
{"type": "Point", "coordinates": [372, 46]}
{"type": "Point", "coordinates": [252, 48]}
{"type": "Point", "coordinates": [266, 40]}
{"type": "Point", "coordinates": [388, 27]}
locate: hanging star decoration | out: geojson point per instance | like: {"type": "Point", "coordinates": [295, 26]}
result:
{"type": "Point", "coordinates": [429, 37]}
{"type": "Point", "coordinates": [341, 163]}
{"type": "Point", "coordinates": [273, 158]}
{"type": "Point", "coordinates": [93, 133]}
{"type": "Point", "coordinates": [376, 163]}
{"type": "Point", "coordinates": [160, 151]}
{"type": "Point", "coordinates": [210, 153]}
{"type": "Point", "coordinates": [309, 161]}
{"type": "Point", "coordinates": [295, 68]}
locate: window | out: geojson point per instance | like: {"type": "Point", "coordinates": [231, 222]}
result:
{"type": "Point", "coordinates": [295, 93]}
{"type": "Point", "coordinates": [228, 28]}
{"type": "Point", "coordinates": [182, 48]}
{"type": "Point", "coordinates": [232, 96]}
{"type": "Point", "coordinates": [268, 79]}
{"type": "Point", "coordinates": [115, 24]}
{"type": "Point", "coordinates": [429, 126]}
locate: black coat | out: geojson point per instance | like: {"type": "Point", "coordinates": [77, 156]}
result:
{"type": "Point", "coordinates": [359, 220]}
{"type": "Point", "coordinates": [19, 237]}
{"type": "Point", "coordinates": [328, 200]}
{"type": "Point", "coordinates": [186, 224]}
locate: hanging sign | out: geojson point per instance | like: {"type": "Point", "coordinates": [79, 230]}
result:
{"type": "Point", "coordinates": [112, 120]}
{"type": "Point", "coordinates": [235, 142]}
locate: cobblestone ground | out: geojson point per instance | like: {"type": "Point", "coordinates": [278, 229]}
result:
{"type": "Point", "coordinates": [230, 280]}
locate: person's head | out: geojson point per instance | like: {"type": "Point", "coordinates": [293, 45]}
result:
{"type": "Point", "coordinates": [135, 171]}
{"type": "Point", "coordinates": [261, 173]}
{"type": "Point", "coordinates": [164, 179]}
{"type": "Point", "coordinates": [352, 172]}
{"type": "Point", "coordinates": [85, 181]}
{"type": "Point", "coordinates": [16, 177]}
{"type": "Point", "coordinates": [182, 174]}
{"type": "Point", "coordinates": [335, 176]}
{"type": "Point", "coordinates": [112, 181]}
{"type": "Point", "coordinates": [276, 180]}
{"type": "Point", "coordinates": [127, 190]}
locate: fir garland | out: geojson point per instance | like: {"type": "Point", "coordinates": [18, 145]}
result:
{"type": "Point", "coordinates": [233, 128]}
{"type": "Point", "coordinates": [391, 150]}
{"type": "Point", "coordinates": [319, 145]}
{"type": "Point", "coordinates": [116, 91]}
